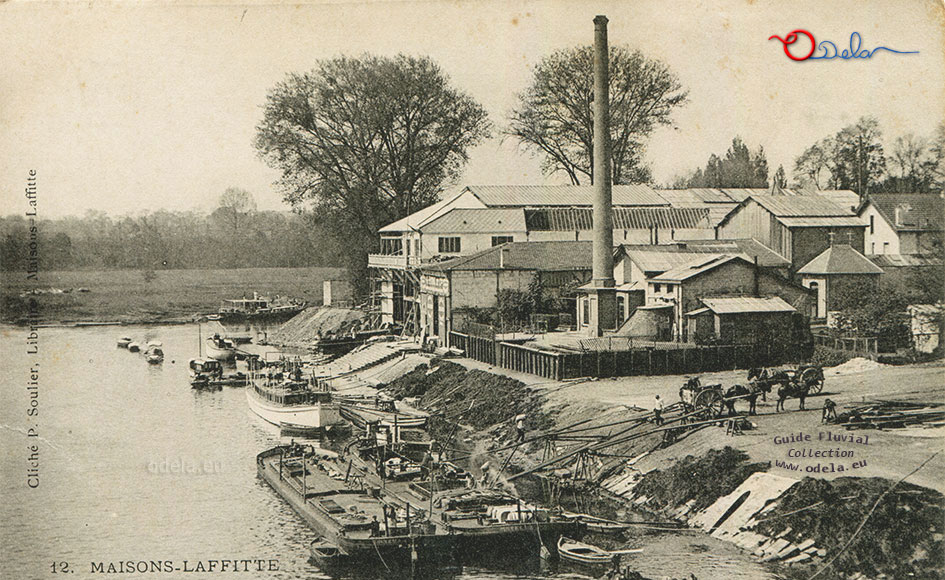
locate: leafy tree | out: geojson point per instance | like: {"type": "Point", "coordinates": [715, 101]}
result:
{"type": "Point", "coordinates": [366, 141]}
{"type": "Point", "coordinates": [738, 168]}
{"type": "Point", "coordinates": [554, 116]}
{"type": "Point", "coordinates": [811, 168]}
{"type": "Point", "coordinates": [851, 159]}
{"type": "Point", "coordinates": [233, 205]}
{"type": "Point", "coordinates": [917, 164]}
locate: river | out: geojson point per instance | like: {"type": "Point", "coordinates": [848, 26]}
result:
{"type": "Point", "coordinates": [135, 466]}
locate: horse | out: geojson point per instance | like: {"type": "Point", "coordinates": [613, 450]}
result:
{"type": "Point", "coordinates": [792, 389]}
{"type": "Point", "coordinates": [740, 391]}
{"type": "Point", "coordinates": [764, 380]}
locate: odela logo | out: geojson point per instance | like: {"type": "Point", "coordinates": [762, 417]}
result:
{"type": "Point", "coordinates": [828, 49]}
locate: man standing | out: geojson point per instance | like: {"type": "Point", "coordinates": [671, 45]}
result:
{"type": "Point", "coordinates": [520, 427]}
{"type": "Point", "coordinates": [658, 411]}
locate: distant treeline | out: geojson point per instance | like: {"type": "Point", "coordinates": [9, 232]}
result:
{"type": "Point", "coordinates": [169, 240]}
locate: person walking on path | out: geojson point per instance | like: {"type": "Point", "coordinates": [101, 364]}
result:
{"type": "Point", "coordinates": [520, 428]}
{"type": "Point", "coordinates": [658, 412]}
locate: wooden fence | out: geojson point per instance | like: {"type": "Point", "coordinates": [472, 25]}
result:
{"type": "Point", "coordinates": [861, 344]}
{"type": "Point", "coordinates": [688, 359]}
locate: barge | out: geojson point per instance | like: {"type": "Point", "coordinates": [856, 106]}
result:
{"type": "Point", "coordinates": [363, 518]}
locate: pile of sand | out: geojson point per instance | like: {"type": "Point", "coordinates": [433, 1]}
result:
{"type": "Point", "coordinates": [856, 365]}
{"type": "Point", "coordinates": [312, 323]}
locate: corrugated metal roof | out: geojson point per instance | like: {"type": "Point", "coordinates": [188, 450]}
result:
{"type": "Point", "coordinates": [561, 195]}
{"type": "Point", "coordinates": [417, 218]}
{"type": "Point", "coordinates": [906, 260]}
{"type": "Point", "coordinates": [750, 247]}
{"type": "Point", "coordinates": [488, 220]}
{"type": "Point", "coordinates": [700, 195]}
{"type": "Point", "coordinates": [625, 218]}
{"type": "Point", "coordinates": [822, 222]}
{"type": "Point", "coordinates": [540, 256]}
{"type": "Point", "coordinates": [747, 304]}
{"type": "Point", "coordinates": [918, 211]}
{"type": "Point", "coordinates": [800, 206]}
{"type": "Point", "coordinates": [840, 259]}
{"type": "Point", "coordinates": [696, 266]}
{"type": "Point", "coordinates": [741, 194]}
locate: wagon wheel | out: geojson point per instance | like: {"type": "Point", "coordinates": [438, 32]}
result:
{"type": "Point", "coordinates": [813, 379]}
{"type": "Point", "coordinates": [710, 402]}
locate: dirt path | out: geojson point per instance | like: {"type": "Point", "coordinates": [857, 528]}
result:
{"type": "Point", "coordinates": [890, 454]}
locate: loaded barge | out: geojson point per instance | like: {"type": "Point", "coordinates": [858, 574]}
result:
{"type": "Point", "coordinates": [364, 518]}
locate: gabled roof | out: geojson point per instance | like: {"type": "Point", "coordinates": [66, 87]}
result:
{"type": "Point", "coordinates": [418, 218]}
{"type": "Point", "coordinates": [460, 220]}
{"type": "Point", "coordinates": [539, 256]}
{"type": "Point", "coordinates": [840, 259]}
{"type": "Point", "coordinates": [561, 195]}
{"type": "Point", "coordinates": [664, 257]}
{"type": "Point", "coordinates": [696, 266]}
{"type": "Point", "coordinates": [801, 206]}
{"type": "Point", "coordinates": [746, 304]}
{"type": "Point", "coordinates": [906, 260]}
{"type": "Point", "coordinates": [696, 195]}
{"type": "Point", "coordinates": [625, 218]}
{"type": "Point", "coordinates": [918, 211]}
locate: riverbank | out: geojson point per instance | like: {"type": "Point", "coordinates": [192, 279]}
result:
{"type": "Point", "coordinates": [686, 478]}
{"type": "Point", "coordinates": [137, 297]}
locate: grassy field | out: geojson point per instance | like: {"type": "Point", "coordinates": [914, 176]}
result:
{"type": "Point", "coordinates": [126, 295]}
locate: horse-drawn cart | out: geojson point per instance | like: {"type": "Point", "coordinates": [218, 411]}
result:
{"type": "Point", "coordinates": [707, 401]}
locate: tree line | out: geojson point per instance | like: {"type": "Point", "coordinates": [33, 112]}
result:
{"type": "Point", "coordinates": [225, 238]}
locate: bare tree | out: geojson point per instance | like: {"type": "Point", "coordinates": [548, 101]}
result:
{"type": "Point", "coordinates": [368, 140]}
{"type": "Point", "coordinates": [233, 205]}
{"type": "Point", "coordinates": [554, 116]}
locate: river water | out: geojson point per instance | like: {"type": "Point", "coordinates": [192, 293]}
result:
{"type": "Point", "coordinates": [134, 465]}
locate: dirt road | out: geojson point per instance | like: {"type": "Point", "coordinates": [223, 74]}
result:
{"type": "Point", "coordinates": [890, 453]}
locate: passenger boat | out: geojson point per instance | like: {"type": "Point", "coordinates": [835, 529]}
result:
{"type": "Point", "coordinates": [220, 348]}
{"type": "Point", "coordinates": [124, 341]}
{"type": "Point", "coordinates": [282, 395]}
{"type": "Point", "coordinates": [259, 308]}
{"type": "Point", "coordinates": [154, 354]}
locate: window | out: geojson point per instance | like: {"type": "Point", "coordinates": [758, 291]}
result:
{"type": "Point", "coordinates": [872, 224]}
{"type": "Point", "coordinates": [449, 245]}
{"type": "Point", "coordinates": [885, 247]}
{"type": "Point", "coordinates": [416, 247]}
{"type": "Point", "coordinates": [621, 308]}
{"type": "Point", "coordinates": [657, 288]}
{"type": "Point", "coordinates": [586, 305]}
{"type": "Point", "coordinates": [499, 240]}
{"type": "Point", "coordinates": [872, 247]}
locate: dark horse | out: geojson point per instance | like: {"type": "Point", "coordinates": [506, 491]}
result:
{"type": "Point", "coordinates": [750, 393]}
{"type": "Point", "coordinates": [764, 380]}
{"type": "Point", "coordinates": [792, 389]}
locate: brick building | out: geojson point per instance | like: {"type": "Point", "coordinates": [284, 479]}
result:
{"type": "Point", "coordinates": [835, 269]}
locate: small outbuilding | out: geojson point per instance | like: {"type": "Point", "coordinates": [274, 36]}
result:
{"type": "Point", "coordinates": [740, 320]}
{"type": "Point", "coordinates": [838, 267]}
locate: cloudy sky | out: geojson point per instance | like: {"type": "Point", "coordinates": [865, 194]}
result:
{"type": "Point", "coordinates": [125, 108]}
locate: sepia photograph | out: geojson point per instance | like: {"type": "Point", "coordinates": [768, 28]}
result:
{"type": "Point", "coordinates": [472, 289]}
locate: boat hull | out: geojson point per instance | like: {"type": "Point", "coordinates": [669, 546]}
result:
{"type": "Point", "coordinates": [217, 353]}
{"type": "Point", "coordinates": [316, 416]}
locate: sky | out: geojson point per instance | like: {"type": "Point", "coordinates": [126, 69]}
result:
{"type": "Point", "coordinates": [128, 108]}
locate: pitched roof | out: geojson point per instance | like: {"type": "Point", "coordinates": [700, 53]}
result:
{"type": "Point", "coordinates": [840, 259]}
{"type": "Point", "coordinates": [695, 195]}
{"type": "Point", "coordinates": [836, 221]}
{"type": "Point", "coordinates": [918, 211]}
{"type": "Point", "coordinates": [625, 218]}
{"type": "Point", "coordinates": [906, 260]}
{"type": "Point", "coordinates": [460, 220]}
{"type": "Point", "coordinates": [694, 267]}
{"type": "Point", "coordinates": [801, 206]}
{"type": "Point", "coordinates": [746, 304]}
{"type": "Point", "coordinates": [540, 256]}
{"type": "Point", "coordinates": [767, 258]}
{"type": "Point", "coordinates": [561, 195]}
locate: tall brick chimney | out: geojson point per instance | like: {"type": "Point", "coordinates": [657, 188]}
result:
{"type": "Point", "coordinates": [600, 292]}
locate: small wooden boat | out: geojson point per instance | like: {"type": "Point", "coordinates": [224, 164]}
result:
{"type": "Point", "coordinates": [134, 346]}
{"type": "Point", "coordinates": [124, 341]}
{"type": "Point", "coordinates": [575, 551]}
{"type": "Point", "coordinates": [154, 353]}
{"type": "Point", "coordinates": [324, 552]}
{"type": "Point", "coordinates": [219, 348]}
{"type": "Point", "coordinates": [600, 525]}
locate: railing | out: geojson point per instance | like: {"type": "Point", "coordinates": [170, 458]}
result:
{"type": "Point", "coordinates": [862, 344]}
{"type": "Point", "coordinates": [392, 261]}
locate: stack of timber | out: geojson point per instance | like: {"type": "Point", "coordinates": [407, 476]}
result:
{"type": "Point", "coordinates": [892, 414]}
